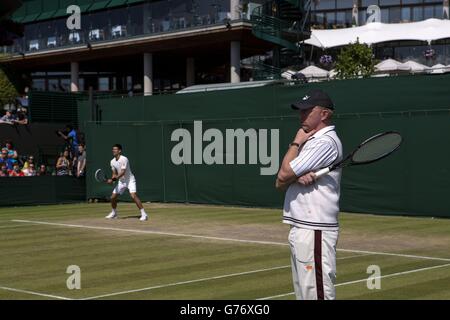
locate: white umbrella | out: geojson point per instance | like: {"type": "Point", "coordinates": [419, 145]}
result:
{"type": "Point", "coordinates": [314, 72]}
{"type": "Point", "coordinates": [288, 74]}
{"type": "Point", "coordinates": [416, 67]}
{"type": "Point", "coordinates": [439, 68]}
{"type": "Point", "coordinates": [332, 74]}
{"type": "Point", "coordinates": [391, 65]}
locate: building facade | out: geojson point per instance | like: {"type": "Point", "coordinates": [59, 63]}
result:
{"type": "Point", "coordinates": [133, 45]}
{"type": "Point", "coordinates": [161, 46]}
{"type": "Point", "coordinates": [334, 14]}
{"type": "Point", "coordinates": [329, 14]}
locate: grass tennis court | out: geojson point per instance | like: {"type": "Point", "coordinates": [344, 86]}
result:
{"type": "Point", "coordinates": [207, 252]}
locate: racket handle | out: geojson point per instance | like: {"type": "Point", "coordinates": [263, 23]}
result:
{"type": "Point", "coordinates": [322, 172]}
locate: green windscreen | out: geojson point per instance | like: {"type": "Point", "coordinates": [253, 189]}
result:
{"type": "Point", "coordinates": [418, 107]}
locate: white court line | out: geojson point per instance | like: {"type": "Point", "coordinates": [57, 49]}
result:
{"type": "Point", "coordinates": [35, 293]}
{"type": "Point", "coordinates": [185, 282]}
{"type": "Point", "coordinates": [221, 239]}
{"type": "Point", "coordinates": [363, 280]}
{"type": "Point", "coordinates": [160, 286]}
{"type": "Point", "coordinates": [200, 280]}
{"type": "Point", "coordinates": [150, 232]}
{"type": "Point", "coordinates": [394, 254]}
{"type": "Point", "coordinates": [364, 253]}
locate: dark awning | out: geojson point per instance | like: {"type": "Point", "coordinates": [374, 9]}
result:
{"type": "Point", "coordinates": [99, 5]}
{"type": "Point", "coordinates": [116, 3]}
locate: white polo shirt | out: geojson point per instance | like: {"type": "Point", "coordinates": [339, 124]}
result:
{"type": "Point", "coordinates": [120, 165]}
{"type": "Point", "coordinates": [315, 206]}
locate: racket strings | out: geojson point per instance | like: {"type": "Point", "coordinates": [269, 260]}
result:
{"type": "Point", "coordinates": [377, 148]}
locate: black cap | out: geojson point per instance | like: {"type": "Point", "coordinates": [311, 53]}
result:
{"type": "Point", "coordinates": [314, 98]}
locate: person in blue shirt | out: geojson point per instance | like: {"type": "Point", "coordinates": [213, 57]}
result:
{"type": "Point", "coordinates": [4, 159]}
{"type": "Point", "coordinates": [71, 138]}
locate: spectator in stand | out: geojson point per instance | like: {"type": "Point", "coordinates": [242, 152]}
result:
{"type": "Point", "coordinates": [4, 159]}
{"type": "Point", "coordinates": [81, 161]}
{"type": "Point", "coordinates": [42, 170]}
{"type": "Point", "coordinates": [71, 139]}
{"type": "Point", "coordinates": [12, 153]}
{"type": "Point", "coordinates": [3, 170]}
{"type": "Point", "coordinates": [12, 159]}
{"type": "Point", "coordinates": [22, 117]}
{"type": "Point", "coordinates": [16, 172]}
{"type": "Point", "coordinates": [29, 161]}
{"type": "Point", "coordinates": [30, 171]}
{"type": "Point", "coordinates": [8, 118]}
{"type": "Point", "coordinates": [63, 164]}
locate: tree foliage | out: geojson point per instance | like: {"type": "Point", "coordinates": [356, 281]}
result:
{"type": "Point", "coordinates": [8, 91]}
{"type": "Point", "coordinates": [355, 60]}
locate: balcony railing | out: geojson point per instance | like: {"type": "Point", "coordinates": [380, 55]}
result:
{"type": "Point", "coordinates": [122, 23]}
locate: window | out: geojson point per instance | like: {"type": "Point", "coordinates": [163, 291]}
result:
{"type": "Point", "coordinates": [348, 18]}
{"type": "Point", "coordinates": [81, 84]}
{"type": "Point", "coordinates": [53, 85]}
{"type": "Point", "coordinates": [439, 11]}
{"type": "Point", "coordinates": [385, 15]}
{"type": "Point", "coordinates": [345, 4]}
{"type": "Point", "coordinates": [319, 18]}
{"type": "Point", "coordinates": [65, 84]}
{"type": "Point", "coordinates": [394, 15]}
{"type": "Point", "coordinates": [406, 14]}
{"type": "Point", "coordinates": [38, 84]}
{"type": "Point", "coordinates": [326, 4]}
{"type": "Point", "coordinates": [389, 2]}
{"type": "Point", "coordinates": [136, 16]}
{"type": "Point", "coordinates": [417, 13]}
{"type": "Point", "coordinates": [118, 20]}
{"type": "Point", "coordinates": [103, 84]}
{"type": "Point", "coordinates": [428, 12]}
{"type": "Point", "coordinates": [366, 3]}
{"type": "Point", "coordinates": [411, 1]}
{"type": "Point", "coordinates": [340, 17]}
{"type": "Point", "coordinates": [330, 20]}
{"type": "Point", "coordinates": [362, 17]}
{"type": "Point", "coordinates": [129, 83]}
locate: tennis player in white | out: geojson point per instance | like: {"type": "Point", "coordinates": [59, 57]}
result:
{"type": "Point", "coordinates": [121, 172]}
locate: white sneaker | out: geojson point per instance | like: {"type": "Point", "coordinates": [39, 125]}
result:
{"type": "Point", "coordinates": [112, 215]}
{"type": "Point", "coordinates": [143, 217]}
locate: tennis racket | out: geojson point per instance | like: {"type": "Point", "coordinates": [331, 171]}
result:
{"type": "Point", "coordinates": [100, 176]}
{"type": "Point", "coordinates": [373, 149]}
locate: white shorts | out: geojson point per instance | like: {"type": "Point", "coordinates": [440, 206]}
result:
{"type": "Point", "coordinates": [313, 260]}
{"type": "Point", "coordinates": [123, 185]}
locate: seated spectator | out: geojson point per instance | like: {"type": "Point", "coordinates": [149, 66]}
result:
{"type": "Point", "coordinates": [8, 118]}
{"type": "Point", "coordinates": [16, 172]}
{"type": "Point", "coordinates": [29, 161]}
{"type": "Point", "coordinates": [3, 170]}
{"type": "Point", "coordinates": [63, 164]}
{"type": "Point", "coordinates": [42, 170]}
{"type": "Point", "coordinates": [4, 159]}
{"type": "Point", "coordinates": [12, 159]}
{"type": "Point", "coordinates": [22, 117]}
{"type": "Point", "coordinates": [12, 153]}
{"type": "Point", "coordinates": [30, 171]}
